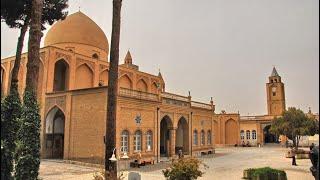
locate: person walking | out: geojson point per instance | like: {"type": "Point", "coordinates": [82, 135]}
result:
{"type": "Point", "coordinates": [293, 154]}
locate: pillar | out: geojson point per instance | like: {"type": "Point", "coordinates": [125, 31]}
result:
{"type": "Point", "coordinates": [172, 142]}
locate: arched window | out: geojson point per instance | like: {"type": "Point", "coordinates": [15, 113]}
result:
{"type": "Point", "coordinates": [195, 137]}
{"type": "Point", "coordinates": [248, 134]}
{"type": "Point", "coordinates": [137, 141]}
{"type": "Point", "coordinates": [254, 134]}
{"type": "Point", "coordinates": [149, 140]}
{"type": "Point", "coordinates": [242, 134]}
{"type": "Point", "coordinates": [61, 76]}
{"type": "Point", "coordinates": [202, 138]}
{"type": "Point", "coordinates": [124, 141]}
{"type": "Point", "coordinates": [209, 138]}
{"type": "Point", "coordinates": [95, 56]}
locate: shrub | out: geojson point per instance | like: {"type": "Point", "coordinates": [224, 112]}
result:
{"type": "Point", "coordinates": [266, 172]}
{"type": "Point", "coordinates": [28, 156]}
{"type": "Point", "coordinates": [10, 114]}
{"type": "Point", "coordinates": [184, 169]}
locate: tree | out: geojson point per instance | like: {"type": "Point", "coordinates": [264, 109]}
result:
{"type": "Point", "coordinates": [184, 169]}
{"type": "Point", "coordinates": [28, 159]}
{"type": "Point", "coordinates": [28, 148]}
{"type": "Point", "coordinates": [110, 143]}
{"type": "Point", "coordinates": [10, 114]}
{"type": "Point", "coordinates": [16, 14]}
{"type": "Point", "coordinates": [294, 124]}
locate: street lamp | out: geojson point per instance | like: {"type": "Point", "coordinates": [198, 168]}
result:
{"type": "Point", "coordinates": [115, 159]}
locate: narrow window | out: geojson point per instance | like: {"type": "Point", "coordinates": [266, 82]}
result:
{"type": "Point", "coordinates": [149, 140]}
{"type": "Point", "coordinates": [209, 138]}
{"type": "Point", "coordinates": [124, 141]}
{"type": "Point", "coordinates": [254, 134]}
{"type": "Point", "coordinates": [137, 141]}
{"type": "Point", "coordinates": [202, 138]}
{"type": "Point", "coordinates": [242, 134]}
{"type": "Point", "coordinates": [195, 137]}
{"type": "Point", "coordinates": [248, 134]}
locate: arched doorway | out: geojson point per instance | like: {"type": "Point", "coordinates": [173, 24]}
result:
{"type": "Point", "coordinates": [54, 135]}
{"type": "Point", "coordinates": [61, 76]}
{"type": "Point", "coordinates": [165, 139]}
{"type": "Point", "coordinates": [231, 132]}
{"type": "Point", "coordinates": [268, 136]}
{"type": "Point", "coordinates": [182, 136]}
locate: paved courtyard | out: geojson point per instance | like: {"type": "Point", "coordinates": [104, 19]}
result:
{"type": "Point", "coordinates": [228, 163]}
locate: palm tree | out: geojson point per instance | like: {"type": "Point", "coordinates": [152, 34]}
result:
{"type": "Point", "coordinates": [110, 143]}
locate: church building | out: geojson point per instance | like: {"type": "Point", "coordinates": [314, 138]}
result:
{"type": "Point", "coordinates": [72, 91]}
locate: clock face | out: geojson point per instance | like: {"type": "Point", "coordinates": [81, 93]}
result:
{"type": "Point", "coordinates": [274, 89]}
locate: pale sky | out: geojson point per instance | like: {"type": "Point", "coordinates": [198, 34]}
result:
{"type": "Point", "coordinates": [220, 48]}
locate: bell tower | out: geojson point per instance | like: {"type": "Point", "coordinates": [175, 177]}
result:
{"type": "Point", "coordinates": [275, 94]}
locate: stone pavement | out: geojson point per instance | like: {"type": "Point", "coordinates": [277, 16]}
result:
{"type": "Point", "coordinates": [228, 164]}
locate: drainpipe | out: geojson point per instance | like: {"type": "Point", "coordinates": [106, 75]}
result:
{"type": "Point", "coordinates": [191, 134]}
{"type": "Point", "coordinates": [158, 134]}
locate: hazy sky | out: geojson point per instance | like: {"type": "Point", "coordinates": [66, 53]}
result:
{"type": "Point", "coordinates": [220, 48]}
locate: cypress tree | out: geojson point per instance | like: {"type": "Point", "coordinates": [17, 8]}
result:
{"type": "Point", "coordinates": [28, 157]}
{"type": "Point", "coordinates": [10, 114]}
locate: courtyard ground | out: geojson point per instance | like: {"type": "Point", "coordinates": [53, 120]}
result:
{"type": "Point", "coordinates": [227, 163]}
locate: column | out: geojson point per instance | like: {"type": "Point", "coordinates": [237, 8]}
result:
{"type": "Point", "coordinates": [172, 142]}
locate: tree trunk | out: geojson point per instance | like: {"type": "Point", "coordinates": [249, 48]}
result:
{"type": "Point", "coordinates": [294, 138]}
{"type": "Point", "coordinates": [298, 139]}
{"type": "Point", "coordinates": [35, 35]}
{"type": "Point", "coordinates": [16, 67]}
{"type": "Point", "coordinates": [110, 143]}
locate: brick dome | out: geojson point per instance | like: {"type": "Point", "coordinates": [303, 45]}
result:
{"type": "Point", "coordinates": [79, 29]}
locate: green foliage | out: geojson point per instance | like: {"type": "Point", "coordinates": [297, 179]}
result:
{"type": "Point", "coordinates": [16, 13]}
{"type": "Point", "coordinates": [10, 114]}
{"type": "Point", "coordinates": [184, 169]}
{"type": "Point", "coordinates": [267, 172]}
{"type": "Point", "coordinates": [28, 152]}
{"type": "Point", "coordinates": [294, 123]}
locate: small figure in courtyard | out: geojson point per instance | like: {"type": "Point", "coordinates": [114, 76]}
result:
{"type": "Point", "coordinates": [180, 154]}
{"type": "Point", "coordinates": [293, 155]}
{"type": "Point", "coordinates": [248, 144]}
{"type": "Point", "coordinates": [243, 144]}
{"type": "Point", "coordinates": [287, 143]}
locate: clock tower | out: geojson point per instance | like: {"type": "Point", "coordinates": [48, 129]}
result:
{"type": "Point", "coordinates": [275, 94]}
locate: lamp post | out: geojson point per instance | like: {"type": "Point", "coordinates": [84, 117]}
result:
{"type": "Point", "coordinates": [113, 158]}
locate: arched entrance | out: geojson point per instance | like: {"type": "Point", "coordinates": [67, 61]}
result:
{"type": "Point", "coordinates": [54, 135]}
{"type": "Point", "coordinates": [165, 139]}
{"type": "Point", "coordinates": [231, 132]}
{"type": "Point", "coordinates": [61, 76]}
{"type": "Point", "coordinates": [268, 136]}
{"type": "Point", "coordinates": [182, 136]}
